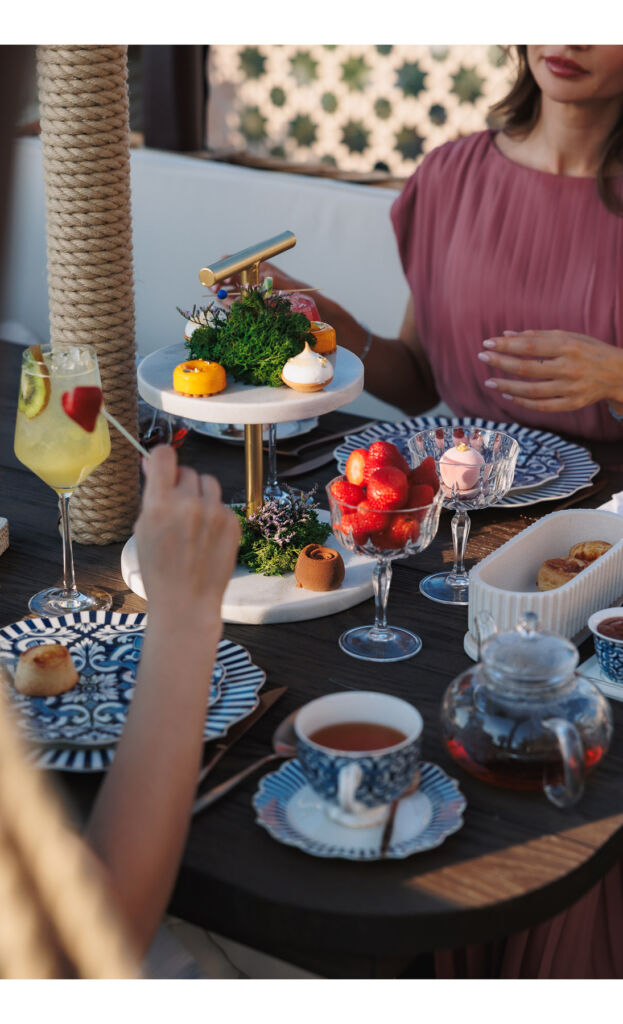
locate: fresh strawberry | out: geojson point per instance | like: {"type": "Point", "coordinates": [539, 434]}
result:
{"type": "Point", "coordinates": [349, 525]}
{"type": "Point", "coordinates": [356, 466]}
{"type": "Point", "coordinates": [384, 453]}
{"type": "Point", "coordinates": [387, 488]}
{"type": "Point", "coordinates": [347, 493]}
{"type": "Point", "coordinates": [83, 405]}
{"type": "Point", "coordinates": [400, 531]}
{"type": "Point", "coordinates": [370, 520]}
{"type": "Point", "coordinates": [425, 473]}
{"type": "Point", "coordinates": [420, 495]}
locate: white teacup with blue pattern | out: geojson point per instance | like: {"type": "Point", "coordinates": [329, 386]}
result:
{"type": "Point", "coordinates": [358, 786]}
{"type": "Point", "coordinates": [608, 650]}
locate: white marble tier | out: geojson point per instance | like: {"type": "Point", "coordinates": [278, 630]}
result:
{"type": "Point", "coordinates": [254, 599]}
{"type": "Point", "coordinates": [243, 403]}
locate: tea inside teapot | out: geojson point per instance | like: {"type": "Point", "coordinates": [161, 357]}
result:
{"type": "Point", "coordinates": [523, 719]}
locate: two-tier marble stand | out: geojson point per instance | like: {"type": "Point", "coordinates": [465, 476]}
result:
{"type": "Point", "coordinates": [250, 597]}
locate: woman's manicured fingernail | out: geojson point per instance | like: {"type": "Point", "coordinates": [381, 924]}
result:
{"type": "Point", "coordinates": [484, 356]}
{"type": "Point", "coordinates": [509, 398]}
{"type": "Point", "coordinates": [489, 343]}
{"type": "Point", "coordinates": [491, 383]}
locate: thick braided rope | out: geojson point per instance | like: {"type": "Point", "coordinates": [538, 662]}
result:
{"type": "Point", "coordinates": [86, 159]}
{"type": "Point", "coordinates": [56, 911]}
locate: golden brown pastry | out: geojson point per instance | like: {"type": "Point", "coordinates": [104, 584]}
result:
{"type": "Point", "coordinates": [589, 550]}
{"type": "Point", "coordinates": [45, 671]}
{"type": "Point", "coordinates": [555, 572]}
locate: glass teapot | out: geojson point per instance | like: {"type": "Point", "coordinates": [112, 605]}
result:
{"type": "Point", "coordinates": [522, 718]}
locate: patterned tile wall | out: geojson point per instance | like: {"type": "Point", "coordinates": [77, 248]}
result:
{"type": "Point", "coordinates": [357, 108]}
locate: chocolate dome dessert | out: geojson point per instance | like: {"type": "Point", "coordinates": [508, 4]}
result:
{"type": "Point", "coordinates": [319, 568]}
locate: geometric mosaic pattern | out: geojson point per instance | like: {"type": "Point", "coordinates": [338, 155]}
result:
{"type": "Point", "coordinates": [356, 108]}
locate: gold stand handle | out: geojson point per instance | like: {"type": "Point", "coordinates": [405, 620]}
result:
{"type": "Point", "coordinates": [253, 466]}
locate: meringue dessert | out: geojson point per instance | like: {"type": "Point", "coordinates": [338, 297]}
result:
{"type": "Point", "coordinates": [307, 371]}
{"type": "Point", "coordinates": [459, 467]}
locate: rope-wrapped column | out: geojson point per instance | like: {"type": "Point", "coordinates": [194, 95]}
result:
{"type": "Point", "coordinates": [85, 134]}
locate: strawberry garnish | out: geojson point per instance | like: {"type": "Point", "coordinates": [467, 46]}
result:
{"type": "Point", "coordinates": [356, 465]}
{"type": "Point", "coordinates": [401, 531]}
{"type": "Point", "coordinates": [370, 520]}
{"type": "Point", "coordinates": [347, 493]}
{"type": "Point", "coordinates": [387, 488]}
{"type": "Point", "coordinates": [425, 473]}
{"type": "Point", "coordinates": [419, 495]}
{"type": "Point", "coordinates": [83, 405]}
{"type": "Point", "coordinates": [349, 525]}
{"type": "Point", "coordinates": [384, 453]}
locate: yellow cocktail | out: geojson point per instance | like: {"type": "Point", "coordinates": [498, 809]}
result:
{"type": "Point", "coordinates": [59, 450]}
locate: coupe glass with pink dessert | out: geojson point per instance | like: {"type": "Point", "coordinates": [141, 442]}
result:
{"type": "Point", "coordinates": [386, 534]}
{"type": "Point", "coordinates": [476, 469]}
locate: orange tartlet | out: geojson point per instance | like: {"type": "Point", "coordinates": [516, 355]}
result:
{"type": "Point", "coordinates": [324, 336]}
{"type": "Point", "coordinates": [199, 378]}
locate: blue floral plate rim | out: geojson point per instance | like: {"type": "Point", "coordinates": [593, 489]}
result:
{"type": "Point", "coordinates": [284, 797]}
{"type": "Point", "coordinates": [240, 683]}
{"type": "Point", "coordinates": [577, 465]}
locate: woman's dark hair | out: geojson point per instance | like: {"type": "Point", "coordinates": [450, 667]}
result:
{"type": "Point", "coordinates": [518, 112]}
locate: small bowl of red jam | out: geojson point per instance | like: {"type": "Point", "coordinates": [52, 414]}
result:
{"type": "Point", "coordinates": [607, 629]}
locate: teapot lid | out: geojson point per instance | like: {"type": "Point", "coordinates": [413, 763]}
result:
{"type": "Point", "coordinates": [527, 654]}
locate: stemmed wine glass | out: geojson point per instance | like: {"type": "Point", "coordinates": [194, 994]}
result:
{"type": "Point", "coordinates": [60, 452]}
{"type": "Point", "coordinates": [386, 535]}
{"type": "Point", "coordinates": [475, 467]}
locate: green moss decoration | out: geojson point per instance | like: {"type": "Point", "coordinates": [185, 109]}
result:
{"type": "Point", "coordinates": [255, 339]}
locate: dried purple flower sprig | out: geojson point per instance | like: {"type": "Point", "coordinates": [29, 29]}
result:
{"type": "Point", "coordinates": [278, 520]}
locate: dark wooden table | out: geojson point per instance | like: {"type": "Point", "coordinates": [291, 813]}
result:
{"type": "Point", "coordinates": [517, 860]}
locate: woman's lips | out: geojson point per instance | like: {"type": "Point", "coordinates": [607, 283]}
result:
{"type": "Point", "coordinates": [564, 68]}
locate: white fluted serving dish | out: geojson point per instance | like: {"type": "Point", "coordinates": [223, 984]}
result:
{"type": "Point", "coordinates": [504, 583]}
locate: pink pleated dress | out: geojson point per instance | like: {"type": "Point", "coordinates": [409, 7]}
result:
{"type": "Point", "coordinates": [487, 246]}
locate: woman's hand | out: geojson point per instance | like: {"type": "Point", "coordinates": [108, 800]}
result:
{"type": "Point", "coordinates": [187, 539]}
{"type": "Point", "coordinates": [554, 371]}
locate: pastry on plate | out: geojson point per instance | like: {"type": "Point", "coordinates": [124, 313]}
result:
{"type": "Point", "coordinates": [555, 572]}
{"type": "Point", "coordinates": [589, 550]}
{"type": "Point", "coordinates": [319, 568]}
{"type": "Point", "coordinates": [45, 671]}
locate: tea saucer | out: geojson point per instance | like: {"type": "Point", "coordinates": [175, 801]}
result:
{"type": "Point", "coordinates": [287, 807]}
{"type": "Point", "coordinates": [592, 670]}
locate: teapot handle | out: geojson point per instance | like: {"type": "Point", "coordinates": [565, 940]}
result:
{"type": "Point", "coordinates": [567, 793]}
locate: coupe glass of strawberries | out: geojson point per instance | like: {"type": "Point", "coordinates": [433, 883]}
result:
{"type": "Point", "coordinates": [476, 467]}
{"type": "Point", "coordinates": [381, 507]}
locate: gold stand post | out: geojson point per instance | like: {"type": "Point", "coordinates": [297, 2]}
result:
{"type": "Point", "coordinates": [246, 263]}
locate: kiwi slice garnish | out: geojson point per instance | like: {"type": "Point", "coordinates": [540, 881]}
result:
{"type": "Point", "coordinates": [34, 386]}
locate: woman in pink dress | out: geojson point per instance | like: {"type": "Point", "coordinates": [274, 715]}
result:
{"type": "Point", "coordinates": [512, 244]}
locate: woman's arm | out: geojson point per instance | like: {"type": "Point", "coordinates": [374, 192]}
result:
{"type": "Point", "coordinates": [397, 370]}
{"type": "Point", "coordinates": [187, 544]}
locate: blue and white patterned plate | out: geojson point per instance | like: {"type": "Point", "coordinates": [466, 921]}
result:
{"type": "Point", "coordinates": [548, 468]}
{"type": "Point", "coordinates": [287, 807]}
{"type": "Point", "coordinates": [87, 721]}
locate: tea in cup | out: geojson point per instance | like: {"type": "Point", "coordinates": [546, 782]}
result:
{"type": "Point", "coordinates": [359, 751]}
{"type": "Point", "coordinates": [607, 629]}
